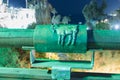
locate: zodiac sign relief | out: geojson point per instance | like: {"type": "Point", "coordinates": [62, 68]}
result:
{"type": "Point", "coordinates": [66, 34]}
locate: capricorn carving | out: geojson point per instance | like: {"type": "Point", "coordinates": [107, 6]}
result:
{"type": "Point", "coordinates": [66, 31]}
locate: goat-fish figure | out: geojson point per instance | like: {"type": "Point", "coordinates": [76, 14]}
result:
{"type": "Point", "coordinates": [64, 31]}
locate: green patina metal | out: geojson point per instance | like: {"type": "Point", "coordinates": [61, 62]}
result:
{"type": "Point", "coordinates": [104, 39]}
{"type": "Point", "coordinates": [44, 39]}
{"type": "Point", "coordinates": [80, 64]}
{"type": "Point", "coordinates": [16, 37]}
{"type": "Point", "coordinates": [61, 69]}
{"type": "Point", "coordinates": [61, 38]}
{"type": "Point", "coordinates": [72, 39]}
{"type": "Point", "coordinates": [41, 74]}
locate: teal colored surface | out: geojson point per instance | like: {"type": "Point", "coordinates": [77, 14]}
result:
{"type": "Point", "coordinates": [16, 37]}
{"type": "Point", "coordinates": [45, 40]}
{"type": "Point", "coordinates": [38, 74]}
{"type": "Point", "coordinates": [78, 64]}
{"type": "Point", "coordinates": [105, 39]}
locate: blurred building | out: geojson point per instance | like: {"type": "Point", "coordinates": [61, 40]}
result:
{"type": "Point", "coordinates": [11, 17]}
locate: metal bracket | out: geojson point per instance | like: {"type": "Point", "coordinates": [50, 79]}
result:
{"type": "Point", "coordinates": [61, 69]}
{"type": "Point", "coordinates": [61, 73]}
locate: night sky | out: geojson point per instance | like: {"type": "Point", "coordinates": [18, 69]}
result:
{"type": "Point", "coordinates": [17, 3]}
{"type": "Point", "coordinates": [72, 8]}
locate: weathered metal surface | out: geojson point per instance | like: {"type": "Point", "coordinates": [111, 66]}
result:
{"type": "Point", "coordinates": [65, 38]}
{"type": "Point", "coordinates": [104, 39]}
{"type": "Point", "coordinates": [61, 73]}
{"type": "Point", "coordinates": [58, 38]}
{"type": "Point", "coordinates": [78, 64]}
{"type": "Point", "coordinates": [24, 74]}
{"type": "Point", "coordinates": [16, 37]}
{"type": "Point", "coordinates": [38, 74]}
{"type": "Point", "coordinates": [62, 39]}
{"type": "Point", "coordinates": [61, 69]}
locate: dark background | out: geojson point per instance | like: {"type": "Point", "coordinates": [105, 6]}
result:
{"type": "Point", "coordinates": [72, 8]}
